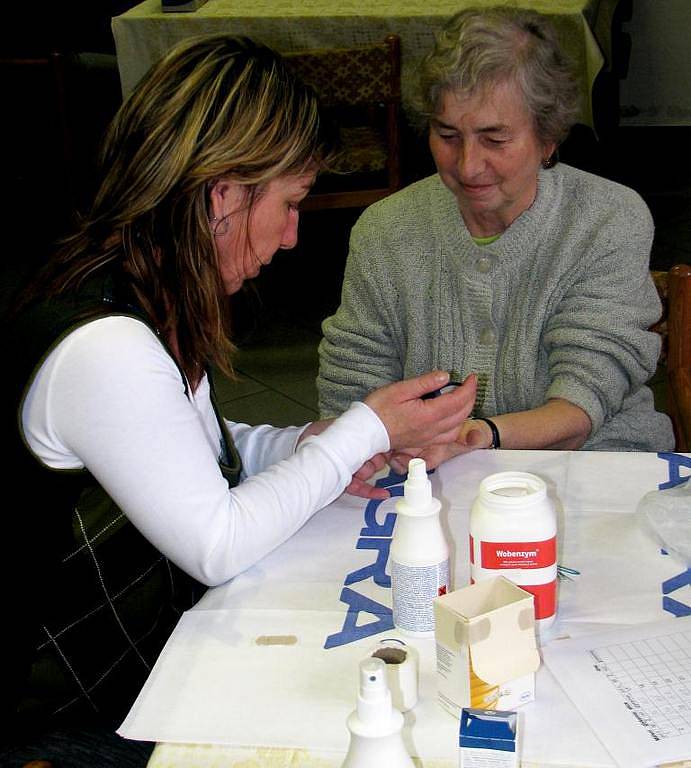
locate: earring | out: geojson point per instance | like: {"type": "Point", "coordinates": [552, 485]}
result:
{"type": "Point", "coordinates": [220, 226]}
{"type": "Point", "coordinates": [550, 162]}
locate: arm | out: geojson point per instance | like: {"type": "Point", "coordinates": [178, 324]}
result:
{"type": "Point", "coordinates": [557, 425]}
{"type": "Point", "coordinates": [359, 351]}
{"type": "Point", "coordinates": [109, 398]}
{"type": "Point", "coordinates": [599, 349]}
{"type": "Point", "coordinates": [263, 445]}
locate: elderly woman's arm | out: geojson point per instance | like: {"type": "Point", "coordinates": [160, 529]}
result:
{"type": "Point", "coordinates": [361, 348]}
{"type": "Point", "coordinates": [557, 424]}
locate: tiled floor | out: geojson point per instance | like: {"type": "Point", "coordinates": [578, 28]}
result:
{"type": "Point", "coordinates": [277, 361]}
{"type": "Point", "coordinates": [276, 372]}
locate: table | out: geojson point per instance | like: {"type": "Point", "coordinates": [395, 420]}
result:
{"type": "Point", "coordinates": [144, 33]}
{"type": "Point", "coordinates": [257, 704]}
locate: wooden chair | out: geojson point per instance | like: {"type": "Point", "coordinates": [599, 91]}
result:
{"type": "Point", "coordinates": [361, 88]}
{"type": "Point", "coordinates": [674, 326]}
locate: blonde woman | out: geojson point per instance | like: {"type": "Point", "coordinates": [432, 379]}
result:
{"type": "Point", "coordinates": [135, 491]}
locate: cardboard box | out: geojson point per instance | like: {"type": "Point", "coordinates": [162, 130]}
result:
{"type": "Point", "coordinates": [488, 738]}
{"type": "Point", "coordinates": [486, 650]}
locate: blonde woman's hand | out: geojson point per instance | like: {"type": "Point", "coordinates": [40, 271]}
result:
{"type": "Point", "coordinates": [411, 420]}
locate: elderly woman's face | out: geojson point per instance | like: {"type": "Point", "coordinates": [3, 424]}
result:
{"type": "Point", "coordinates": [488, 154]}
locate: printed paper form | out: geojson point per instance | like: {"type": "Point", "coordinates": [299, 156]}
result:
{"type": "Point", "coordinates": [633, 686]}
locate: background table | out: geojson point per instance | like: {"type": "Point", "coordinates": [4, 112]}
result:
{"type": "Point", "coordinates": [144, 33]}
{"type": "Point", "coordinates": [258, 705]}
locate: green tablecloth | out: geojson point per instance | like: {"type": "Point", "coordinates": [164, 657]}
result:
{"type": "Point", "coordinates": [144, 33]}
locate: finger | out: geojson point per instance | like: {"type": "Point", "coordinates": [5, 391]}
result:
{"type": "Point", "coordinates": [444, 438]}
{"type": "Point", "coordinates": [451, 423]}
{"type": "Point", "coordinates": [449, 411]}
{"type": "Point", "coordinates": [444, 430]}
{"type": "Point", "coordinates": [399, 460]}
{"type": "Point", "coordinates": [365, 472]}
{"type": "Point", "coordinates": [365, 490]}
{"type": "Point", "coordinates": [371, 467]}
{"type": "Point", "coordinates": [434, 455]}
{"type": "Point", "coordinates": [458, 399]}
{"type": "Point", "coordinates": [412, 389]}
{"type": "Point", "coordinates": [379, 461]}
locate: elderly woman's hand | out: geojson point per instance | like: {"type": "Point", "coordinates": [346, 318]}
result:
{"type": "Point", "coordinates": [359, 485]}
{"type": "Point", "coordinates": [473, 434]}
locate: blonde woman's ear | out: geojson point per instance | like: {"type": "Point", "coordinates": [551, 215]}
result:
{"type": "Point", "coordinates": [225, 198]}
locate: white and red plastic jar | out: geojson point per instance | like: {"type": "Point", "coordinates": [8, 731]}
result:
{"type": "Point", "coordinates": [513, 533]}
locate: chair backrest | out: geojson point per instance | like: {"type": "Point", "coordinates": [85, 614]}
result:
{"type": "Point", "coordinates": [679, 318]}
{"type": "Point", "coordinates": [352, 76]}
{"type": "Point", "coordinates": [674, 288]}
{"type": "Point", "coordinates": [361, 86]}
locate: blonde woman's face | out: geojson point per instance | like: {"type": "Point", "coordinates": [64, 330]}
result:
{"type": "Point", "coordinates": [488, 154]}
{"type": "Point", "coordinates": [251, 236]}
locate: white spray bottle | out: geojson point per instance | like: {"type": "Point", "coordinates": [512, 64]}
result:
{"type": "Point", "coordinates": [375, 726]}
{"type": "Point", "coordinates": [419, 555]}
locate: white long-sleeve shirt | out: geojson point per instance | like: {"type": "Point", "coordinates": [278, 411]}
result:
{"type": "Point", "coordinates": [110, 398]}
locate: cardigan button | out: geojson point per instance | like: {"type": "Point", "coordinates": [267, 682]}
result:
{"type": "Point", "coordinates": [487, 336]}
{"type": "Point", "coordinates": [483, 265]}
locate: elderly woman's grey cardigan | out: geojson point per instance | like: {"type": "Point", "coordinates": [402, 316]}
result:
{"type": "Point", "coordinates": [558, 306]}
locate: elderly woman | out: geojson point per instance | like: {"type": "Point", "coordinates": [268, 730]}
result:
{"type": "Point", "coordinates": [527, 272]}
{"type": "Point", "coordinates": [134, 492]}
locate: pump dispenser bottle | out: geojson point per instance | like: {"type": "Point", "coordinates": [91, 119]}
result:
{"type": "Point", "coordinates": [375, 726]}
{"type": "Point", "coordinates": [419, 555]}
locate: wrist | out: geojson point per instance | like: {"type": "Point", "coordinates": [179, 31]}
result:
{"type": "Point", "coordinates": [496, 437]}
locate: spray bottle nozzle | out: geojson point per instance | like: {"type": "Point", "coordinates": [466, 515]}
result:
{"type": "Point", "coordinates": [417, 470]}
{"type": "Point", "coordinates": [372, 678]}
{"type": "Point", "coordinates": [374, 699]}
{"type": "Point", "coordinates": [417, 489]}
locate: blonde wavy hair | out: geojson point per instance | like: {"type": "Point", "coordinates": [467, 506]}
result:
{"type": "Point", "coordinates": [478, 49]}
{"type": "Point", "coordinates": [215, 107]}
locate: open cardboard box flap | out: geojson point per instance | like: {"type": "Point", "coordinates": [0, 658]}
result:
{"type": "Point", "coordinates": [495, 619]}
{"type": "Point", "coordinates": [503, 649]}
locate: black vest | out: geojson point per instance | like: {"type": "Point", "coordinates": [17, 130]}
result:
{"type": "Point", "coordinates": [90, 602]}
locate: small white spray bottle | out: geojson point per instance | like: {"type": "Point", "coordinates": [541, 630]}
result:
{"type": "Point", "coordinates": [419, 555]}
{"type": "Point", "coordinates": [375, 726]}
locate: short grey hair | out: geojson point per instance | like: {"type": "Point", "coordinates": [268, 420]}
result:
{"type": "Point", "coordinates": [478, 49]}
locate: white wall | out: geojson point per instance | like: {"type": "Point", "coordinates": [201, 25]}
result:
{"type": "Point", "coordinates": [658, 85]}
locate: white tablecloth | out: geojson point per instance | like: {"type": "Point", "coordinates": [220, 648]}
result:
{"type": "Point", "coordinates": [328, 588]}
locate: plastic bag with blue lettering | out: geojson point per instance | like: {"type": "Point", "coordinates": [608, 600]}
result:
{"type": "Point", "coordinates": [667, 515]}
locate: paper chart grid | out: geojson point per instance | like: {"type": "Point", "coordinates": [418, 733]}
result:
{"type": "Point", "coordinates": [653, 676]}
